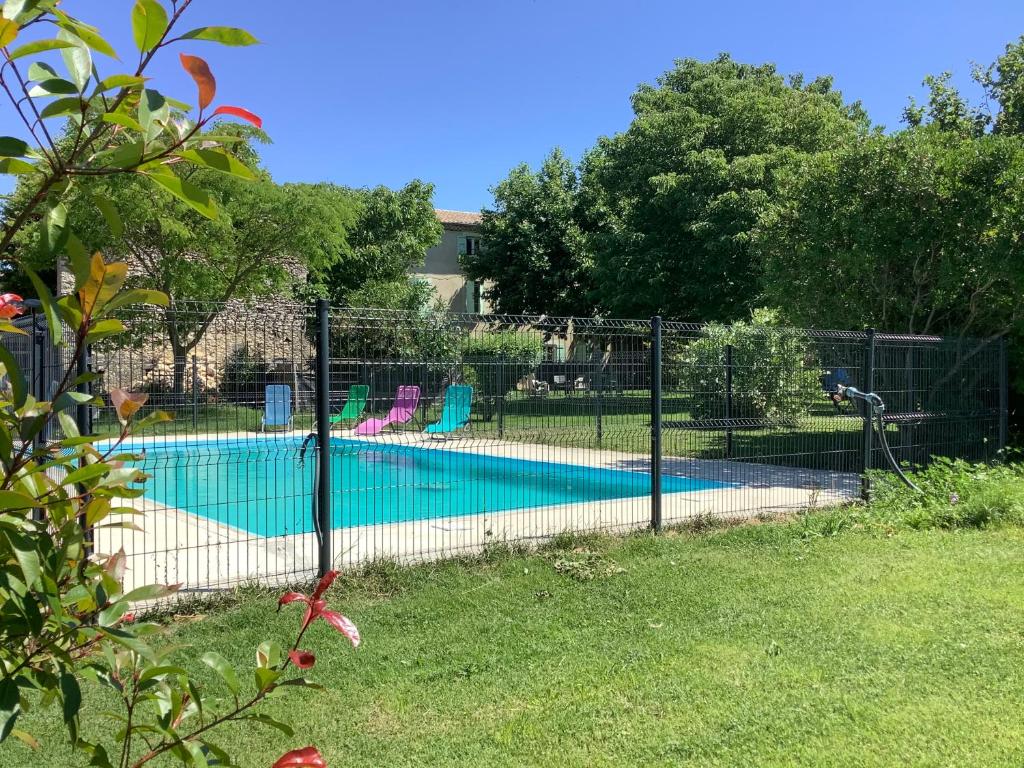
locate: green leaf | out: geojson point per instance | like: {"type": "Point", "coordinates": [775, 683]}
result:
{"type": "Point", "coordinates": [79, 259]}
{"type": "Point", "coordinates": [40, 70]}
{"type": "Point", "coordinates": [109, 211]}
{"type": "Point", "coordinates": [161, 670]}
{"type": "Point", "coordinates": [181, 106]}
{"type": "Point", "coordinates": [27, 557]}
{"type": "Point", "coordinates": [71, 700]}
{"type": "Point", "coordinates": [187, 192]}
{"type": "Point", "coordinates": [103, 329]}
{"type": "Point", "coordinates": [14, 166]}
{"type": "Point", "coordinates": [12, 147]}
{"type": "Point", "coordinates": [54, 230]}
{"type": "Point", "coordinates": [88, 472]}
{"type": "Point", "coordinates": [10, 706]}
{"type": "Point", "coordinates": [120, 118]}
{"type": "Point", "coordinates": [151, 592]}
{"type": "Point", "coordinates": [77, 58]}
{"type": "Point", "coordinates": [149, 22]}
{"type": "Point", "coordinates": [155, 417]}
{"type": "Point", "coordinates": [220, 665]}
{"type": "Point", "coordinates": [153, 112]}
{"type": "Point", "coordinates": [268, 720]}
{"type": "Point", "coordinates": [124, 156]}
{"type": "Point", "coordinates": [49, 306]}
{"type": "Point", "coordinates": [218, 161]}
{"type": "Point", "coordinates": [69, 105]}
{"type": "Point", "coordinates": [222, 35]}
{"type": "Point", "coordinates": [10, 500]}
{"type": "Point", "coordinates": [268, 654]}
{"type": "Point", "coordinates": [39, 46]}
{"type": "Point", "coordinates": [19, 387]}
{"type": "Point", "coordinates": [137, 296]}
{"type": "Point", "coordinates": [20, 10]}
{"type": "Point", "coordinates": [119, 81]}
{"type": "Point", "coordinates": [51, 87]}
{"type": "Point", "coordinates": [87, 34]}
{"type": "Point", "coordinates": [265, 677]}
{"type": "Point", "coordinates": [8, 31]}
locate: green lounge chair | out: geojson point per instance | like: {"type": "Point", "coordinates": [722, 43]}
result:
{"type": "Point", "coordinates": [354, 405]}
{"type": "Point", "coordinates": [455, 412]}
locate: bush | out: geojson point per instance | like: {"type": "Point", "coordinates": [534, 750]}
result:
{"type": "Point", "coordinates": [955, 494]}
{"type": "Point", "coordinates": [774, 374]}
{"type": "Point", "coordinates": [496, 361]}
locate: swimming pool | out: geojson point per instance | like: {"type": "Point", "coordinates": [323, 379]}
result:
{"type": "Point", "coordinates": [263, 486]}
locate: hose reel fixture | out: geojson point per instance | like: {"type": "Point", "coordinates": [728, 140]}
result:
{"type": "Point", "coordinates": [876, 407]}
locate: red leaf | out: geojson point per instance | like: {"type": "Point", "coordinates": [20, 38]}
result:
{"type": "Point", "coordinates": [245, 114]}
{"type": "Point", "coordinates": [201, 73]}
{"type": "Point", "coordinates": [315, 608]}
{"type": "Point", "coordinates": [291, 597]}
{"type": "Point", "coordinates": [9, 308]}
{"type": "Point", "coordinates": [324, 584]}
{"type": "Point", "coordinates": [343, 625]}
{"type": "Point", "coordinates": [302, 659]}
{"type": "Point", "coordinates": [307, 757]}
{"type": "Point", "coordinates": [127, 404]}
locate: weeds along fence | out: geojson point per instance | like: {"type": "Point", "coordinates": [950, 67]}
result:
{"type": "Point", "coordinates": [306, 437]}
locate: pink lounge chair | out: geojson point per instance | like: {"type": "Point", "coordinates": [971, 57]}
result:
{"type": "Point", "coordinates": [406, 400]}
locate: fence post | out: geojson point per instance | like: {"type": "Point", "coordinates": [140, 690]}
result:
{"type": "Point", "coordinates": [501, 395]}
{"type": "Point", "coordinates": [1004, 395]}
{"type": "Point", "coordinates": [656, 423]}
{"type": "Point", "coordinates": [869, 386]}
{"type": "Point", "coordinates": [195, 393]}
{"type": "Point", "coordinates": [323, 426]}
{"type": "Point", "coordinates": [728, 401]}
{"type": "Point", "coordinates": [598, 382]}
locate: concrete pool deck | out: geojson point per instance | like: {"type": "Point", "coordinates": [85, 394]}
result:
{"type": "Point", "coordinates": [175, 546]}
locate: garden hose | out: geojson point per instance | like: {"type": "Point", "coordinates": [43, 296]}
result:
{"type": "Point", "coordinates": [312, 438]}
{"type": "Point", "coordinates": [877, 407]}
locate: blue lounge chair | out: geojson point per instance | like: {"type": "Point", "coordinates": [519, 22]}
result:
{"type": "Point", "coordinates": [277, 412]}
{"type": "Point", "coordinates": [455, 412]}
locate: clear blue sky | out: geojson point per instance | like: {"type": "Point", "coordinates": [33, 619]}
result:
{"type": "Point", "coordinates": [458, 92]}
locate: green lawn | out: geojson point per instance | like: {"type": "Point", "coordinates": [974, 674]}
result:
{"type": "Point", "coordinates": [755, 646]}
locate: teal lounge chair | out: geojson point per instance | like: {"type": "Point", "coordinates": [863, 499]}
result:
{"type": "Point", "coordinates": [354, 405]}
{"type": "Point", "coordinates": [455, 412]}
{"type": "Point", "coordinates": [277, 412]}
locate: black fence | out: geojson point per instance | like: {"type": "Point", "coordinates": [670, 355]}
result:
{"type": "Point", "coordinates": [306, 437]}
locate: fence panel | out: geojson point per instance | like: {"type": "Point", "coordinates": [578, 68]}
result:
{"type": "Point", "coordinates": [230, 494]}
{"type": "Point", "coordinates": [447, 433]}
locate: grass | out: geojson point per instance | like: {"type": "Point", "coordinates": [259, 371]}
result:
{"type": "Point", "coordinates": [801, 643]}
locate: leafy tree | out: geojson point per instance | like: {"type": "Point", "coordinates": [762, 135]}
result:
{"type": "Point", "coordinates": [535, 257]}
{"type": "Point", "coordinates": [390, 232]}
{"type": "Point", "coordinates": [676, 197]}
{"type": "Point", "coordinates": [404, 321]}
{"type": "Point", "coordinates": [265, 237]}
{"type": "Point", "coordinates": [914, 232]}
{"type": "Point", "coordinates": [1003, 82]}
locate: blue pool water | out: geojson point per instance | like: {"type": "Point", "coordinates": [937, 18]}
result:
{"type": "Point", "coordinates": [264, 488]}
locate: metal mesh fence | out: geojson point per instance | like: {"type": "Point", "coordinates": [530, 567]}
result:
{"type": "Point", "coordinates": [432, 434]}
